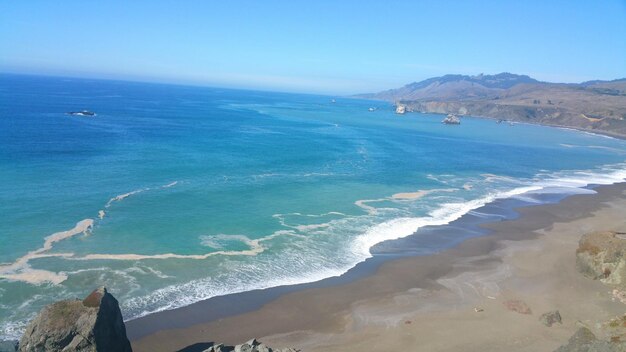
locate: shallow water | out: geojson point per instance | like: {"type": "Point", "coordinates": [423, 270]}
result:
{"type": "Point", "coordinates": [196, 192]}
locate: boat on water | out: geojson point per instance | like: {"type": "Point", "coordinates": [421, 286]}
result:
{"type": "Point", "coordinates": [451, 119]}
{"type": "Point", "coordinates": [371, 109]}
{"type": "Point", "coordinates": [400, 109]}
{"type": "Point", "coordinates": [82, 113]}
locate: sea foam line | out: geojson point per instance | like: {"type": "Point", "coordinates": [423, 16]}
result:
{"type": "Point", "coordinates": [371, 210]}
{"type": "Point", "coordinates": [20, 269]}
{"type": "Point", "coordinates": [121, 197]}
{"type": "Point", "coordinates": [393, 229]}
{"type": "Point", "coordinates": [175, 296]}
{"type": "Point", "coordinates": [396, 228]}
{"type": "Point", "coordinates": [255, 248]}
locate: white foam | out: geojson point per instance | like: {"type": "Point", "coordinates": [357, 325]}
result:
{"type": "Point", "coordinates": [593, 134]}
{"type": "Point", "coordinates": [311, 215]}
{"type": "Point", "coordinates": [420, 193]}
{"type": "Point", "coordinates": [255, 248]}
{"type": "Point", "coordinates": [368, 208]}
{"type": "Point", "coordinates": [403, 227]}
{"type": "Point", "coordinates": [305, 228]}
{"type": "Point", "coordinates": [121, 197]}
{"type": "Point", "coordinates": [217, 241]}
{"type": "Point", "coordinates": [608, 175]}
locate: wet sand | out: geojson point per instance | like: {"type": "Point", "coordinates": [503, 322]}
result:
{"type": "Point", "coordinates": [424, 302]}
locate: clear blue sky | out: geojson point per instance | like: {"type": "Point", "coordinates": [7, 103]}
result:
{"type": "Point", "coordinates": [333, 47]}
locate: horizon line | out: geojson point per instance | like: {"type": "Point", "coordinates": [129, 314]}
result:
{"type": "Point", "coordinates": [183, 83]}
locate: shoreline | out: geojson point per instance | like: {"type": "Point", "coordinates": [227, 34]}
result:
{"type": "Point", "coordinates": [600, 133]}
{"type": "Point", "coordinates": [604, 133]}
{"type": "Point", "coordinates": [279, 311]}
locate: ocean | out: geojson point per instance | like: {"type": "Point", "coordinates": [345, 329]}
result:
{"type": "Point", "coordinates": [174, 194]}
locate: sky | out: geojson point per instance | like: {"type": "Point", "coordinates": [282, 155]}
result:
{"type": "Point", "coordinates": [333, 47]}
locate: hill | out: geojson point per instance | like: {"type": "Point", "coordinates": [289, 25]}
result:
{"type": "Point", "coordinates": [598, 106]}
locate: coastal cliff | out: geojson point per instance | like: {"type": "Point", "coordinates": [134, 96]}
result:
{"type": "Point", "coordinates": [598, 106]}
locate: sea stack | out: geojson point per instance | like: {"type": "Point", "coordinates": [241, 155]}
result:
{"type": "Point", "coordinates": [93, 324]}
{"type": "Point", "coordinates": [451, 120]}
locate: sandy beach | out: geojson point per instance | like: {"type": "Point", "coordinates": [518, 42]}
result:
{"type": "Point", "coordinates": [451, 301]}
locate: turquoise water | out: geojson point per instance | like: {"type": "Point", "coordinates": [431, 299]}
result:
{"type": "Point", "coordinates": [210, 191]}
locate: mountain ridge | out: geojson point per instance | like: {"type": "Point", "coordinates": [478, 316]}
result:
{"type": "Point", "coordinates": [596, 105]}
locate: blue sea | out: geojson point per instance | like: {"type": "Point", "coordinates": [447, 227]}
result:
{"type": "Point", "coordinates": [174, 194]}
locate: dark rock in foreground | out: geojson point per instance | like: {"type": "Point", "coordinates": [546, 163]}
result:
{"type": "Point", "coordinates": [585, 341]}
{"type": "Point", "coordinates": [94, 324]}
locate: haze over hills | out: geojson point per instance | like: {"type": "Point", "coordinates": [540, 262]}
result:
{"type": "Point", "coordinates": [593, 105]}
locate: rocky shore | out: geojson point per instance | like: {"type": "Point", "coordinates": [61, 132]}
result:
{"type": "Point", "coordinates": [95, 324]}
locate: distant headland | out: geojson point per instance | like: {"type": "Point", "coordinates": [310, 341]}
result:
{"type": "Point", "coordinates": [598, 106]}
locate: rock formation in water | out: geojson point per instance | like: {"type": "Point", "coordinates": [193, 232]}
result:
{"type": "Point", "coordinates": [93, 324]}
{"type": "Point", "coordinates": [451, 120]}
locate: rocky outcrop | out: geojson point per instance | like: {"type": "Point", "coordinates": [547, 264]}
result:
{"type": "Point", "coordinates": [585, 341]}
{"type": "Point", "coordinates": [93, 324]}
{"type": "Point", "coordinates": [602, 256]}
{"type": "Point", "coordinates": [251, 346]}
